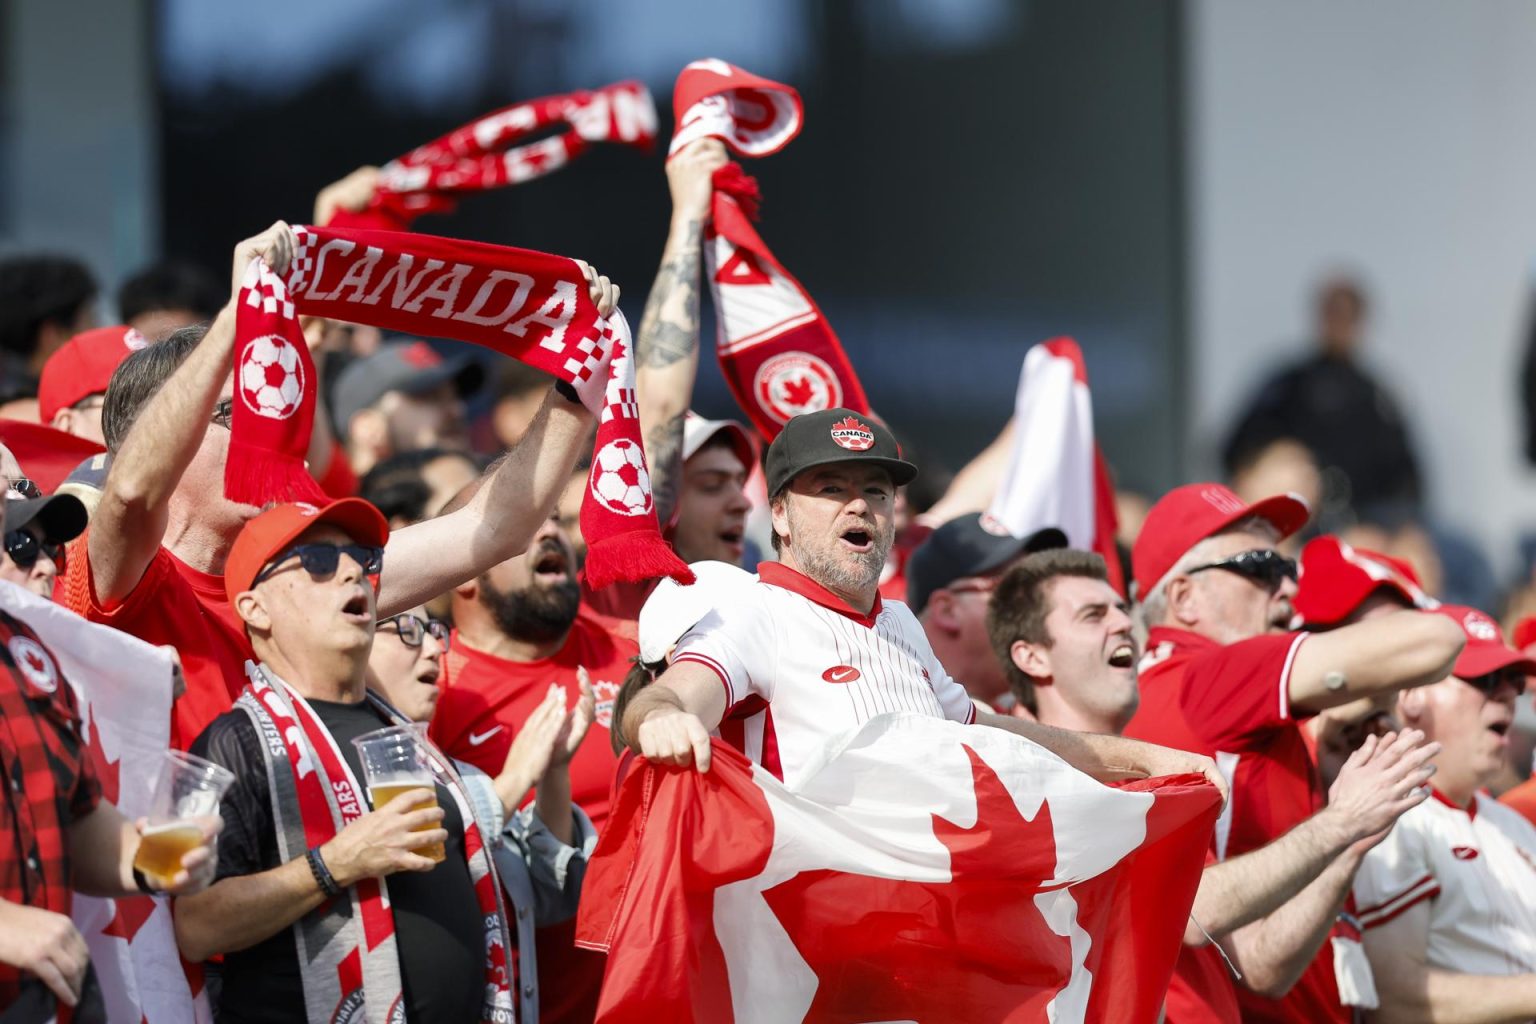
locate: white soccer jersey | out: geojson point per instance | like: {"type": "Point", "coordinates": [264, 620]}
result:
{"type": "Point", "coordinates": [1477, 869]}
{"type": "Point", "coordinates": [799, 667]}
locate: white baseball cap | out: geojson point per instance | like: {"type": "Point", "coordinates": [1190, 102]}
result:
{"type": "Point", "coordinates": [673, 609]}
{"type": "Point", "coordinates": [697, 430]}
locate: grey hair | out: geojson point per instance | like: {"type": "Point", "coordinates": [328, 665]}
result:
{"type": "Point", "coordinates": [1154, 604]}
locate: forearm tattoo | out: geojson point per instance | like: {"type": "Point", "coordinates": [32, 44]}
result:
{"type": "Point", "coordinates": [669, 330]}
{"type": "Point", "coordinates": [664, 454]}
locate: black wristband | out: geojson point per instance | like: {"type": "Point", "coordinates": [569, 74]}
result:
{"type": "Point", "coordinates": [566, 390]}
{"type": "Point", "coordinates": [142, 881]}
{"type": "Point", "coordinates": [323, 877]}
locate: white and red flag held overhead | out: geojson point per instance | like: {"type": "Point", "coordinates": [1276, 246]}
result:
{"type": "Point", "coordinates": [923, 870]}
{"type": "Point", "coordinates": [1056, 474]}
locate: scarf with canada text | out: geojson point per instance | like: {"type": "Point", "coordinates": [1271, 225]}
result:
{"type": "Point", "coordinates": [347, 951]}
{"type": "Point", "coordinates": [530, 306]}
{"type": "Point", "coordinates": [474, 158]}
{"type": "Point", "coordinates": [775, 346]}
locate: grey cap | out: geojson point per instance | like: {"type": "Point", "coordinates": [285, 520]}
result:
{"type": "Point", "coordinates": [62, 517]}
{"type": "Point", "coordinates": [413, 367]}
{"type": "Point", "coordinates": [970, 545]}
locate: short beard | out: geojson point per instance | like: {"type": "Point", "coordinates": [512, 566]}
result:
{"type": "Point", "coordinates": [848, 575]}
{"type": "Point", "coordinates": [535, 614]}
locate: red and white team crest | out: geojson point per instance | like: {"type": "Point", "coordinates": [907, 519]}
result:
{"type": "Point", "coordinates": [851, 434]}
{"type": "Point", "coordinates": [35, 663]}
{"type": "Point", "coordinates": [1480, 626]}
{"type": "Point", "coordinates": [271, 379]}
{"type": "Point", "coordinates": [795, 383]}
{"type": "Point", "coordinates": [606, 693]}
{"type": "Point", "coordinates": [133, 340]}
{"type": "Point", "coordinates": [620, 482]}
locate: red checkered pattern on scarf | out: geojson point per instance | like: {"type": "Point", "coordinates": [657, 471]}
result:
{"type": "Point", "coordinates": [46, 784]}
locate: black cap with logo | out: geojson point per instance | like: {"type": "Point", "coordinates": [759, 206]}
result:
{"type": "Point", "coordinates": [970, 545]}
{"type": "Point", "coordinates": [831, 436]}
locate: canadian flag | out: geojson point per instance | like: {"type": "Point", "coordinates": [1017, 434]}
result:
{"type": "Point", "coordinates": [1056, 474]}
{"type": "Point", "coordinates": [123, 686]}
{"type": "Point", "coordinates": [924, 870]}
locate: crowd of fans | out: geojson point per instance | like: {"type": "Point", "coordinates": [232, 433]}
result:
{"type": "Point", "coordinates": [1296, 649]}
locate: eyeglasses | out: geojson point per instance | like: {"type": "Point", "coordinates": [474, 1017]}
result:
{"type": "Point", "coordinates": [322, 559]}
{"type": "Point", "coordinates": [25, 488]}
{"type": "Point", "coordinates": [1489, 683]}
{"type": "Point", "coordinates": [413, 629]}
{"type": "Point", "coordinates": [223, 412]}
{"type": "Point", "coordinates": [23, 548]}
{"type": "Point", "coordinates": [1267, 568]}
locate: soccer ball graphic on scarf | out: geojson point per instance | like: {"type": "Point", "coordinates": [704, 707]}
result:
{"type": "Point", "coordinates": [619, 480]}
{"type": "Point", "coordinates": [271, 378]}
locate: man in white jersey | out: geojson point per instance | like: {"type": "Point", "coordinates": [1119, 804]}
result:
{"type": "Point", "coordinates": [811, 651]}
{"type": "Point", "coordinates": [1448, 901]}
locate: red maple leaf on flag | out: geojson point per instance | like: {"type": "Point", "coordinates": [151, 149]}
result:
{"type": "Point", "coordinates": [892, 949]}
{"type": "Point", "coordinates": [129, 916]}
{"type": "Point", "coordinates": [799, 392]}
{"type": "Point", "coordinates": [106, 771]}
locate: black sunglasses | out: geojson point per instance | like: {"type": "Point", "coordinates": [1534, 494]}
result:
{"type": "Point", "coordinates": [413, 629]}
{"type": "Point", "coordinates": [24, 487]}
{"type": "Point", "coordinates": [322, 559]}
{"type": "Point", "coordinates": [1489, 682]}
{"type": "Point", "coordinates": [23, 548]}
{"type": "Point", "coordinates": [1264, 567]}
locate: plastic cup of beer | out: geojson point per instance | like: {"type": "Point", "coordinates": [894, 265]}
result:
{"type": "Point", "coordinates": [394, 760]}
{"type": "Point", "coordinates": [187, 795]}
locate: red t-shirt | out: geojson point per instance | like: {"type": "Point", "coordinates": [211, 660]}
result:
{"type": "Point", "coordinates": [620, 602]}
{"type": "Point", "coordinates": [175, 604]}
{"type": "Point", "coordinates": [485, 702]}
{"type": "Point", "coordinates": [1201, 990]}
{"type": "Point", "coordinates": [1231, 702]}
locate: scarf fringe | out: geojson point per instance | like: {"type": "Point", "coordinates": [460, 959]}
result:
{"type": "Point", "coordinates": [266, 476]}
{"type": "Point", "coordinates": [740, 186]}
{"type": "Point", "coordinates": [633, 557]}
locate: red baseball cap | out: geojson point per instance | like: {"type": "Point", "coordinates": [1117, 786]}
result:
{"type": "Point", "coordinates": [276, 528]}
{"type": "Point", "coordinates": [83, 366]}
{"type": "Point", "coordinates": [1525, 632]}
{"type": "Point", "coordinates": [1187, 515]}
{"type": "Point", "coordinates": [1336, 578]}
{"type": "Point", "coordinates": [1486, 650]}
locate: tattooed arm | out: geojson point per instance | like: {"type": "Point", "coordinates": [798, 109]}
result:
{"type": "Point", "coordinates": [667, 347]}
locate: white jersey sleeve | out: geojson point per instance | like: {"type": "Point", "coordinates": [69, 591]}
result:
{"type": "Point", "coordinates": [738, 642]}
{"type": "Point", "coordinates": [1396, 873]}
{"type": "Point", "coordinates": [956, 703]}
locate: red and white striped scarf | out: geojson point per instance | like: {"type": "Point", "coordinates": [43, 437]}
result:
{"type": "Point", "coordinates": [775, 346]}
{"type": "Point", "coordinates": [474, 158]}
{"type": "Point", "coordinates": [348, 956]}
{"type": "Point", "coordinates": [528, 305]}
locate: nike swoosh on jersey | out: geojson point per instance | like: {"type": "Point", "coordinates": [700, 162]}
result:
{"type": "Point", "coordinates": [477, 738]}
{"type": "Point", "coordinates": [840, 674]}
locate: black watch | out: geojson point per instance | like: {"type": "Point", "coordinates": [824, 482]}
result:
{"type": "Point", "coordinates": [566, 390]}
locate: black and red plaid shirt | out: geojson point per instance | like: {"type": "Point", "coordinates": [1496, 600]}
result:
{"type": "Point", "coordinates": [46, 779]}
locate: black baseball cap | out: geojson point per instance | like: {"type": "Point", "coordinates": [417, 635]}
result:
{"type": "Point", "coordinates": [832, 436]}
{"type": "Point", "coordinates": [413, 367]}
{"type": "Point", "coordinates": [971, 545]}
{"type": "Point", "coordinates": [61, 517]}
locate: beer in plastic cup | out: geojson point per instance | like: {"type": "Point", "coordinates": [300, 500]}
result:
{"type": "Point", "coordinates": [187, 795]}
{"type": "Point", "coordinates": [395, 761]}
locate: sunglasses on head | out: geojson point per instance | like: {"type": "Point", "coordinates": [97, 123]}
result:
{"type": "Point", "coordinates": [1489, 682]}
{"type": "Point", "coordinates": [322, 559]}
{"type": "Point", "coordinates": [1266, 567]}
{"type": "Point", "coordinates": [23, 548]}
{"type": "Point", "coordinates": [413, 629]}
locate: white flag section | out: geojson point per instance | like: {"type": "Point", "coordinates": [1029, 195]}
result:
{"type": "Point", "coordinates": [924, 870]}
{"type": "Point", "coordinates": [1054, 475]}
{"type": "Point", "coordinates": [124, 689]}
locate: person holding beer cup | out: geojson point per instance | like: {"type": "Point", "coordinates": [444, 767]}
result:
{"type": "Point", "coordinates": [327, 902]}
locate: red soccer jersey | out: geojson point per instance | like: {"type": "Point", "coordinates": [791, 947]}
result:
{"type": "Point", "coordinates": [175, 604]}
{"type": "Point", "coordinates": [1232, 702]}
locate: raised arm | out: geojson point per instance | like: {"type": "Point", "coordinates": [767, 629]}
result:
{"type": "Point", "coordinates": [129, 524]}
{"type": "Point", "coordinates": [667, 347]}
{"type": "Point", "coordinates": [671, 719]}
{"type": "Point", "coordinates": [1392, 652]}
{"type": "Point", "coordinates": [429, 558]}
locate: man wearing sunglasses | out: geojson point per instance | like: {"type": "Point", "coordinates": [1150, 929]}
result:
{"type": "Point", "coordinates": [36, 530]}
{"type": "Point", "coordinates": [300, 868]}
{"type": "Point", "coordinates": [1448, 901]}
{"type": "Point", "coordinates": [154, 556]}
{"type": "Point", "coordinates": [1222, 677]}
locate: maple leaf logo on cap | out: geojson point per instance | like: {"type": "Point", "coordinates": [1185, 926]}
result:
{"type": "Point", "coordinates": [851, 434]}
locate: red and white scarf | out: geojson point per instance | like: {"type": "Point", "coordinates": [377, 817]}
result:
{"type": "Point", "coordinates": [776, 348]}
{"type": "Point", "coordinates": [528, 305]}
{"type": "Point", "coordinates": [474, 158]}
{"type": "Point", "coordinates": [348, 956]}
